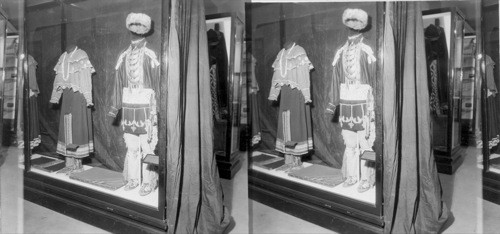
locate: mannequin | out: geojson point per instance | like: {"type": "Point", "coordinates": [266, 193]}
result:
{"type": "Point", "coordinates": [291, 80]}
{"type": "Point", "coordinates": [73, 83]}
{"type": "Point", "coordinates": [134, 92]}
{"type": "Point", "coordinates": [352, 94]}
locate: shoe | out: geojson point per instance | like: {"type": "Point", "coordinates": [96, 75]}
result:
{"type": "Point", "coordinates": [363, 186]}
{"type": "Point", "coordinates": [146, 189]}
{"type": "Point", "coordinates": [131, 184]}
{"type": "Point", "coordinates": [349, 182]}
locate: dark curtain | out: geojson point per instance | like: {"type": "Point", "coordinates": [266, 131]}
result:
{"type": "Point", "coordinates": [194, 193]}
{"type": "Point", "coordinates": [412, 190]}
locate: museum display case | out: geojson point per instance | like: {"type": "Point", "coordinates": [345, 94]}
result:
{"type": "Point", "coordinates": [95, 110]}
{"type": "Point", "coordinates": [9, 43]}
{"type": "Point", "coordinates": [444, 31]}
{"type": "Point", "coordinates": [225, 40]}
{"type": "Point", "coordinates": [470, 93]}
{"type": "Point", "coordinates": [318, 72]}
{"type": "Point", "coordinates": [490, 100]}
{"type": "Point", "coordinates": [3, 37]}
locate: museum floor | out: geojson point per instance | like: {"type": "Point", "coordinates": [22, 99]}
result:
{"type": "Point", "coordinates": [461, 192]}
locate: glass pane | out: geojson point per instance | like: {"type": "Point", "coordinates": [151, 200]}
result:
{"type": "Point", "coordinates": [490, 37]}
{"type": "Point", "coordinates": [219, 40]}
{"type": "Point", "coordinates": [5, 90]}
{"type": "Point", "coordinates": [457, 81]}
{"type": "Point", "coordinates": [303, 63]}
{"type": "Point", "coordinates": [437, 32]}
{"type": "Point", "coordinates": [93, 71]}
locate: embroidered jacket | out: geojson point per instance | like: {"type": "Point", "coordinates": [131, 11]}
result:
{"type": "Point", "coordinates": [291, 68]}
{"type": "Point", "coordinates": [73, 70]}
{"type": "Point", "coordinates": [137, 67]}
{"type": "Point", "coordinates": [353, 66]}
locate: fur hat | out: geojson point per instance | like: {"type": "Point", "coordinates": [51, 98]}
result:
{"type": "Point", "coordinates": [356, 19]}
{"type": "Point", "coordinates": [138, 23]}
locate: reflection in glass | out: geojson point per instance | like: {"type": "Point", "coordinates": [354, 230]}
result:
{"type": "Point", "coordinates": [93, 72]}
{"type": "Point", "coordinates": [225, 41]}
{"type": "Point", "coordinates": [444, 33]}
{"type": "Point", "coordinates": [320, 133]}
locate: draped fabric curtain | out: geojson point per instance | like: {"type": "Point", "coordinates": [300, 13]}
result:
{"type": "Point", "coordinates": [194, 193]}
{"type": "Point", "coordinates": [412, 190]}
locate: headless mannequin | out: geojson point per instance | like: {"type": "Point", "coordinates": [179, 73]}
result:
{"type": "Point", "coordinates": [73, 165]}
{"type": "Point", "coordinates": [135, 37]}
{"type": "Point", "coordinates": [70, 48]}
{"type": "Point", "coordinates": [292, 162]}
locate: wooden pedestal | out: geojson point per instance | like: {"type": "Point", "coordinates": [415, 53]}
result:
{"type": "Point", "coordinates": [449, 162]}
{"type": "Point", "coordinates": [331, 211]}
{"type": "Point", "coordinates": [228, 166]}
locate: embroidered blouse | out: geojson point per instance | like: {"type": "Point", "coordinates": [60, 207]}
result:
{"type": "Point", "coordinates": [74, 71]}
{"type": "Point", "coordinates": [292, 68]}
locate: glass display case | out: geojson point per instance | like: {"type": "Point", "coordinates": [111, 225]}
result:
{"type": "Point", "coordinates": [317, 67]}
{"type": "Point", "coordinates": [9, 93]}
{"type": "Point", "coordinates": [225, 40]}
{"type": "Point", "coordinates": [444, 31]}
{"type": "Point", "coordinates": [94, 110]}
{"type": "Point", "coordinates": [490, 100]}
{"type": "Point", "coordinates": [470, 88]}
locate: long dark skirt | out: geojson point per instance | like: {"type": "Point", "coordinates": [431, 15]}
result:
{"type": "Point", "coordinates": [75, 126]}
{"type": "Point", "coordinates": [493, 121]}
{"type": "Point", "coordinates": [34, 131]}
{"type": "Point", "coordinates": [254, 111]}
{"type": "Point", "coordinates": [294, 134]}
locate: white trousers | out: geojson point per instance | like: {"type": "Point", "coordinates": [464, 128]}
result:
{"type": "Point", "coordinates": [355, 144]}
{"type": "Point", "coordinates": [138, 146]}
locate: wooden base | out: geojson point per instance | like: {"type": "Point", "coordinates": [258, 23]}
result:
{"type": "Point", "coordinates": [448, 163]}
{"type": "Point", "coordinates": [491, 189]}
{"type": "Point", "coordinates": [102, 216]}
{"type": "Point", "coordinates": [322, 216]}
{"type": "Point", "coordinates": [228, 167]}
{"type": "Point", "coordinates": [333, 211]}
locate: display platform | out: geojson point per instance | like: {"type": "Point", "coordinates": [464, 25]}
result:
{"type": "Point", "coordinates": [150, 200]}
{"type": "Point", "coordinates": [351, 192]}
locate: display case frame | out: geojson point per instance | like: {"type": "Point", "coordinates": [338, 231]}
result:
{"type": "Point", "coordinates": [488, 46]}
{"type": "Point", "coordinates": [333, 211]}
{"type": "Point", "coordinates": [229, 160]}
{"type": "Point", "coordinates": [450, 155]}
{"type": "Point", "coordinates": [107, 211]}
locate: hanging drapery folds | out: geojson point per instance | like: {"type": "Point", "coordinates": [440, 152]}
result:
{"type": "Point", "coordinates": [194, 193]}
{"type": "Point", "coordinates": [73, 84]}
{"type": "Point", "coordinates": [412, 190]}
{"type": "Point", "coordinates": [352, 94]}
